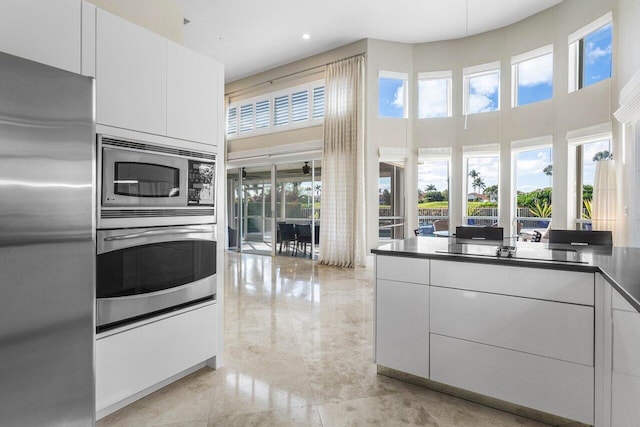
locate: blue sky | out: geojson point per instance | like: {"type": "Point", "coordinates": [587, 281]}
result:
{"type": "Point", "coordinates": [391, 97]}
{"type": "Point", "coordinates": [597, 56]}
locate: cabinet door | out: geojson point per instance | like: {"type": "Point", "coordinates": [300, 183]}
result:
{"type": "Point", "coordinates": [131, 361]}
{"type": "Point", "coordinates": [42, 31]}
{"type": "Point", "coordinates": [625, 384]}
{"type": "Point", "coordinates": [402, 326]}
{"type": "Point", "coordinates": [131, 75]}
{"type": "Point", "coordinates": [548, 385]}
{"type": "Point", "coordinates": [192, 95]}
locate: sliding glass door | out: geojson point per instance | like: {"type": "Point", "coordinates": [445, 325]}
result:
{"type": "Point", "coordinates": [295, 202]}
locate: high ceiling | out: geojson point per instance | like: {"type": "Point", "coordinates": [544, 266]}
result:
{"type": "Point", "coordinates": [250, 36]}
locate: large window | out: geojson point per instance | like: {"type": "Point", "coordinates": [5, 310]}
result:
{"type": "Point", "coordinates": [393, 94]}
{"type": "Point", "coordinates": [434, 94]}
{"type": "Point", "coordinates": [533, 173]}
{"type": "Point", "coordinates": [481, 88]}
{"type": "Point", "coordinates": [590, 53]}
{"type": "Point", "coordinates": [294, 107]}
{"type": "Point", "coordinates": [532, 75]}
{"type": "Point", "coordinates": [481, 183]}
{"type": "Point", "coordinates": [433, 192]}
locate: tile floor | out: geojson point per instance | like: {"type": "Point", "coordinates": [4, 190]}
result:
{"type": "Point", "coordinates": [299, 353]}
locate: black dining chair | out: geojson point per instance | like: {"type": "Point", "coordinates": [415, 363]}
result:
{"type": "Point", "coordinates": [287, 235]}
{"type": "Point", "coordinates": [581, 237]}
{"type": "Point", "coordinates": [303, 237]}
{"type": "Point", "coordinates": [480, 233]}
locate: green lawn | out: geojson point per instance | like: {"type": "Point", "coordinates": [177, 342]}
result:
{"type": "Point", "coordinates": [443, 204]}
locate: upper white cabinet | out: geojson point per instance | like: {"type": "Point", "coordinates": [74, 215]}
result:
{"type": "Point", "coordinates": [149, 84]}
{"type": "Point", "coordinates": [192, 95]}
{"type": "Point", "coordinates": [131, 75]}
{"type": "Point", "coordinates": [42, 31]}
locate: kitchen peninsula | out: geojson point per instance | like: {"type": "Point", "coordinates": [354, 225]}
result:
{"type": "Point", "coordinates": [553, 328]}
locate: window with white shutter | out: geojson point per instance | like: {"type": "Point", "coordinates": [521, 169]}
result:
{"type": "Point", "coordinates": [318, 102]}
{"type": "Point", "coordinates": [246, 118]}
{"type": "Point", "coordinates": [263, 114]}
{"type": "Point", "coordinates": [232, 121]}
{"type": "Point", "coordinates": [281, 110]}
{"type": "Point", "coordinates": [300, 106]}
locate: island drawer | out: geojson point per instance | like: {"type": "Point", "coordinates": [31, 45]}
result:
{"type": "Point", "coordinates": [401, 269]}
{"type": "Point", "coordinates": [548, 284]}
{"type": "Point", "coordinates": [549, 385]}
{"type": "Point", "coordinates": [557, 330]}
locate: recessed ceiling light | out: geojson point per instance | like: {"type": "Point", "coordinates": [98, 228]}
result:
{"type": "Point", "coordinates": [306, 36]}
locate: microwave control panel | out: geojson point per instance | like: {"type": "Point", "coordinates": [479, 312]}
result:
{"type": "Point", "coordinates": [201, 183]}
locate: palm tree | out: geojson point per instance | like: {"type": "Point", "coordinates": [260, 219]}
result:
{"type": "Point", "coordinates": [478, 183]}
{"type": "Point", "coordinates": [430, 187]}
{"type": "Point", "coordinates": [473, 174]}
{"type": "Point", "coordinates": [548, 170]}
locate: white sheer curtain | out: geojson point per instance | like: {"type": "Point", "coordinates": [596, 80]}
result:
{"type": "Point", "coordinates": [604, 213]}
{"type": "Point", "coordinates": [342, 217]}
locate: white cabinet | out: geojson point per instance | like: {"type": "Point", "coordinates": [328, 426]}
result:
{"type": "Point", "coordinates": [402, 314]}
{"type": "Point", "coordinates": [625, 377]}
{"type": "Point", "coordinates": [131, 75]}
{"type": "Point", "coordinates": [548, 385]}
{"type": "Point", "coordinates": [546, 328]}
{"type": "Point", "coordinates": [192, 95]}
{"type": "Point", "coordinates": [42, 31]}
{"type": "Point", "coordinates": [131, 361]}
{"type": "Point", "coordinates": [402, 326]}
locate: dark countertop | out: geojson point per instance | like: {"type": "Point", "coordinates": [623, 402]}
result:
{"type": "Point", "coordinates": [619, 266]}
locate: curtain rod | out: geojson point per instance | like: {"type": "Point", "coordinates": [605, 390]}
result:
{"type": "Point", "coordinates": [270, 81]}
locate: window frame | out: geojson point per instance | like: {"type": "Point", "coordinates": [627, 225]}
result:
{"type": "Point", "coordinates": [446, 75]}
{"type": "Point", "coordinates": [478, 71]}
{"type": "Point", "coordinates": [576, 139]}
{"type": "Point", "coordinates": [575, 42]}
{"type": "Point", "coordinates": [518, 147]}
{"type": "Point", "coordinates": [515, 73]}
{"type": "Point", "coordinates": [442, 154]}
{"type": "Point", "coordinates": [396, 75]}
{"type": "Point", "coordinates": [480, 151]}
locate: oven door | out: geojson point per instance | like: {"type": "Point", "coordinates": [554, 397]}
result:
{"type": "Point", "coordinates": [143, 272]}
{"type": "Point", "coordinates": [137, 179]}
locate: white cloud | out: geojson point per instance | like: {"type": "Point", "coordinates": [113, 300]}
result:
{"type": "Point", "coordinates": [593, 52]}
{"type": "Point", "coordinates": [433, 172]}
{"type": "Point", "coordinates": [486, 84]}
{"type": "Point", "coordinates": [398, 99]}
{"type": "Point", "coordinates": [536, 71]}
{"type": "Point", "coordinates": [480, 104]}
{"type": "Point", "coordinates": [481, 91]}
{"type": "Point", "coordinates": [533, 166]}
{"type": "Point", "coordinates": [432, 96]}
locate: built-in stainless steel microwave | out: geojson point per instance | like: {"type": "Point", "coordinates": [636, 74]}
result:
{"type": "Point", "coordinates": [143, 184]}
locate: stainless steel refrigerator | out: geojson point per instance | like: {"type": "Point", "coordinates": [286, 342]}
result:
{"type": "Point", "coordinates": [47, 245]}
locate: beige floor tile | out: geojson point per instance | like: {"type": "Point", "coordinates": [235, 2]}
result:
{"type": "Point", "coordinates": [305, 416]}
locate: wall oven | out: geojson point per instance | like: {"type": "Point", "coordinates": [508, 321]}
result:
{"type": "Point", "coordinates": [143, 272]}
{"type": "Point", "coordinates": [143, 184]}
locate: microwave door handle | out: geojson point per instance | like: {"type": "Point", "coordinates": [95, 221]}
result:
{"type": "Point", "coordinates": [150, 233]}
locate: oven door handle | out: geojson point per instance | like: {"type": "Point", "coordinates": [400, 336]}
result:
{"type": "Point", "coordinates": [152, 233]}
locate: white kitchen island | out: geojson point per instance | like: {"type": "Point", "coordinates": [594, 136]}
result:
{"type": "Point", "coordinates": [525, 334]}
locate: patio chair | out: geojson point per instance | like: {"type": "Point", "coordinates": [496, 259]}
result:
{"type": "Point", "coordinates": [287, 235]}
{"type": "Point", "coordinates": [303, 237]}
{"type": "Point", "coordinates": [581, 237]}
{"type": "Point", "coordinates": [480, 233]}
